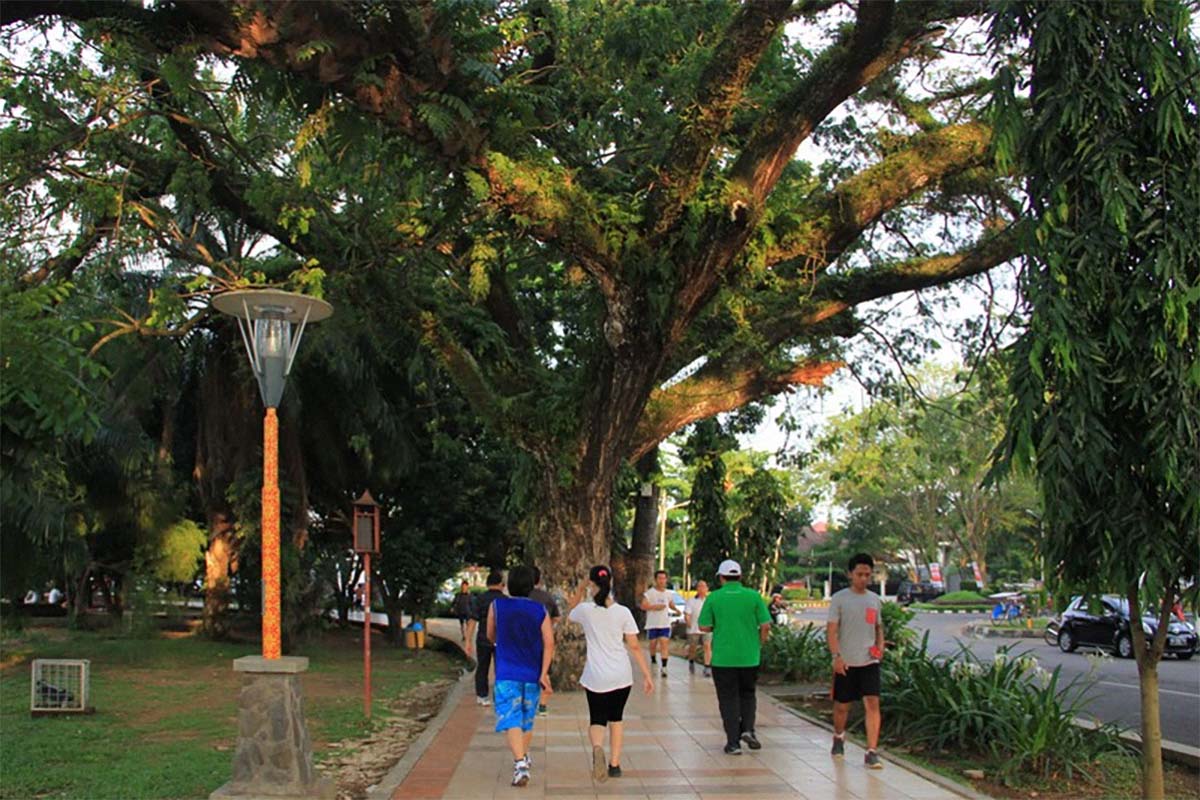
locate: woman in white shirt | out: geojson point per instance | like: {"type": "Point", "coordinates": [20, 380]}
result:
{"type": "Point", "coordinates": [607, 675]}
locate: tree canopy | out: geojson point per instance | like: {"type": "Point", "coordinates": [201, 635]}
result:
{"type": "Point", "coordinates": [590, 214]}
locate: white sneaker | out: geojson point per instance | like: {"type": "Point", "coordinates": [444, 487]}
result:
{"type": "Point", "coordinates": [483, 701]}
{"type": "Point", "coordinates": [520, 772]}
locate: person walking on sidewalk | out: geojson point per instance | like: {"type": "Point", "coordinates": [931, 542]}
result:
{"type": "Point", "coordinates": [477, 644]}
{"type": "Point", "coordinates": [461, 608]}
{"type": "Point", "coordinates": [607, 677]}
{"type": "Point", "coordinates": [547, 600]}
{"type": "Point", "coordinates": [739, 622]}
{"type": "Point", "coordinates": [655, 603]}
{"type": "Point", "coordinates": [855, 636]}
{"type": "Point", "coordinates": [696, 637]}
{"type": "Point", "coordinates": [520, 630]}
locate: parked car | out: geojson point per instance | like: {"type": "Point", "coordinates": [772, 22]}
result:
{"type": "Point", "coordinates": [917, 592]}
{"type": "Point", "coordinates": [1109, 629]}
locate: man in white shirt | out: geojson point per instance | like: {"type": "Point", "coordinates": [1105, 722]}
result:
{"type": "Point", "coordinates": [655, 603]}
{"type": "Point", "coordinates": [696, 637]}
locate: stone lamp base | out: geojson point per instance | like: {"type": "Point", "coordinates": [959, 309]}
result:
{"type": "Point", "coordinates": [273, 760]}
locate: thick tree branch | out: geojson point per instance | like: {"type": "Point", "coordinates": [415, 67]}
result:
{"type": "Point", "coordinates": [884, 35]}
{"type": "Point", "coordinates": [834, 294]}
{"type": "Point", "coordinates": [840, 216]}
{"type": "Point", "coordinates": [720, 91]}
{"type": "Point", "coordinates": [62, 266]}
{"type": "Point", "coordinates": [713, 390]}
{"type": "Point", "coordinates": [555, 209]}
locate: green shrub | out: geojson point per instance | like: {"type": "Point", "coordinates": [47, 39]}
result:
{"type": "Point", "coordinates": [969, 586]}
{"type": "Point", "coordinates": [961, 598]}
{"type": "Point", "coordinates": [799, 654]}
{"type": "Point", "coordinates": [1011, 714]}
{"type": "Point", "coordinates": [895, 625]}
{"type": "Point", "coordinates": [795, 594]}
{"type": "Point", "coordinates": [816, 594]}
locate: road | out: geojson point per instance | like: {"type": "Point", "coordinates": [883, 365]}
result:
{"type": "Point", "coordinates": [1114, 697]}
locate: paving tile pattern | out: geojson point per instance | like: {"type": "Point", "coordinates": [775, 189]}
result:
{"type": "Point", "coordinates": [673, 749]}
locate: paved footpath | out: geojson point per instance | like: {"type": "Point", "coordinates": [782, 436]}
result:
{"type": "Point", "coordinates": [673, 743]}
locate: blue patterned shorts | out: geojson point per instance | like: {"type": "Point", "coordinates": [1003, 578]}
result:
{"type": "Point", "coordinates": [516, 704]}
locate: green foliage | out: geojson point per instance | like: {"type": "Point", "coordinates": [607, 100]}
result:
{"type": "Point", "coordinates": [896, 632]}
{"type": "Point", "coordinates": [714, 536]}
{"type": "Point", "coordinates": [959, 598]}
{"type": "Point", "coordinates": [177, 555]}
{"type": "Point", "coordinates": [1017, 719]}
{"type": "Point", "coordinates": [798, 654]}
{"type": "Point", "coordinates": [913, 471]}
{"type": "Point", "coordinates": [1107, 377]}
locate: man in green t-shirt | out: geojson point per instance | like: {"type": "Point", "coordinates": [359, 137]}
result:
{"type": "Point", "coordinates": [740, 624]}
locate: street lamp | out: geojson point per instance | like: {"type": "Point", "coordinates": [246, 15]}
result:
{"type": "Point", "coordinates": [267, 319]}
{"type": "Point", "coordinates": [274, 752]}
{"type": "Point", "coordinates": [366, 542]}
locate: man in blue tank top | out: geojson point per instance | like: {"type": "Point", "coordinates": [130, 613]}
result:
{"type": "Point", "coordinates": [520, 629]}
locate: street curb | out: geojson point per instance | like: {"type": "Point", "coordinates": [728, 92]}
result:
{"type": "Point", "coordinates": [1175, 752]}
{"type": "Point", "coordinates": [916, 769]}
{"type": "Point", "coordinates": [946, 611]}
{"type": "Point", "coordinates": [395, 776]}
{"type": "Point", "coordinates": [985, 630]}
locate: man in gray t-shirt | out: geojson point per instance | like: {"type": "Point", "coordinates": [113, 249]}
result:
{"type": "Point", "coordinates": [855, 636]}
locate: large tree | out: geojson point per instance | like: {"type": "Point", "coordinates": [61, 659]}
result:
{"type": "Point", "coordinates": [1107, 377]}
{"type": "Point", "coordinates": [572, 202]}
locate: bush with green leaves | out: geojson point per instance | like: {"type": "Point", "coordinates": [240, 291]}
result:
{"type": "Point", "coordinates": [1010, 713]}
{"type": "Point", "coordinates": [961, 598]}
{"type": "Point", "coordinates": [798, 654]}
{"type": "Point", "coordinates": [895, 625]}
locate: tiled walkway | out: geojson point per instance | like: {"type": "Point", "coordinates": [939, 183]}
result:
{"type": "Point", "coordinates": [673, 744]}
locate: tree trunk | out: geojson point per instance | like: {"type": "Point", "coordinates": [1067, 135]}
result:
{"type": "Point", "coordinates": [634, 567]}
{"type": "Point", "coordinates": [1148, 654]}
{"type": "Point", "coordinates": [218, 562]}
{"type": "Point", "coordinates": [575, 534]}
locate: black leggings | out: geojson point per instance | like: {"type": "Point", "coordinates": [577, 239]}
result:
{"type": "Point", "coordinates": [606, 707]}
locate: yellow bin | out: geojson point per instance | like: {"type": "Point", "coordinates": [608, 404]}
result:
{"type": "Point", "coordinates": [414, 640]}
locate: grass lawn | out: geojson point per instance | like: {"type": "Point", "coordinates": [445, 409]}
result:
{"type": "Point", "coordinates": [166, 710]}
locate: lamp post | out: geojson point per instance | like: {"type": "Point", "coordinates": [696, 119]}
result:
{"type": "Point", "coordinates": [366, 542]}
{"type": "Point", "coordinates": [267, 319]}
{"type": "Point", "coordinates": [274, 753]}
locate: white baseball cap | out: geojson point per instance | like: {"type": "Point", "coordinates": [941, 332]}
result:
{"type": "Point", "coordinates": [730, 569]}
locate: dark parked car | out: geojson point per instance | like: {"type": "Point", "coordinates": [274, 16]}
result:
{"type": "Point", "coordinates": [917, 592]}
{"type": "Point", "coordinates": [1108, 628]}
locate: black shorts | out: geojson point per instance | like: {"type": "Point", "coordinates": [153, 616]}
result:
{"type": "Point", "coordinates": [606, 707]}
{"type": "Point", "coordinates": [857, 683]}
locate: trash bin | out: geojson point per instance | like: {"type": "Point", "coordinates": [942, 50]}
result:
{"type": "Point", "coordinates": [414, 636]}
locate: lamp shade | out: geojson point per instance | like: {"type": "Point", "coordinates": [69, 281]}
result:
{"type": "Point", "coordinates": [272, 322]}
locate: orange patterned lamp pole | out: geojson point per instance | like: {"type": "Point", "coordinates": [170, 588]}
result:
{"type": "Point", "coordinates": [272, 323]}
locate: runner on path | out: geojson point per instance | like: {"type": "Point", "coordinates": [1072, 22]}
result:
{"type": "Point", "coordinates": [696, 637]}
{"type": "Point", "coordinates": [520, 630]}
{"type": "Point", "coordinates": [548, 600]}
{"type": "Point", "coordinates": [477, 645]}
{"type": "Point", "coordinates": [855, 636]}
{"type": "Point", "coordinates": [740, 624]}
{"type": "Point", "coordinates": [607, 676]}
{"type": "Point", "coordinates": [655, 603]}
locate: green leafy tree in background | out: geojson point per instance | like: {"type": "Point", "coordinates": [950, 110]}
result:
{"type": "Point", "coordinates": [913, 472]}
{"type": "Point", "coordinates": [1107, 377]}
{"type": "Point", "coordinates": [707, 512]}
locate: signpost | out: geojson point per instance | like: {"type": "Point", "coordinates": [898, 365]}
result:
{"type": "Point", "coordinates": [366, 541]}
